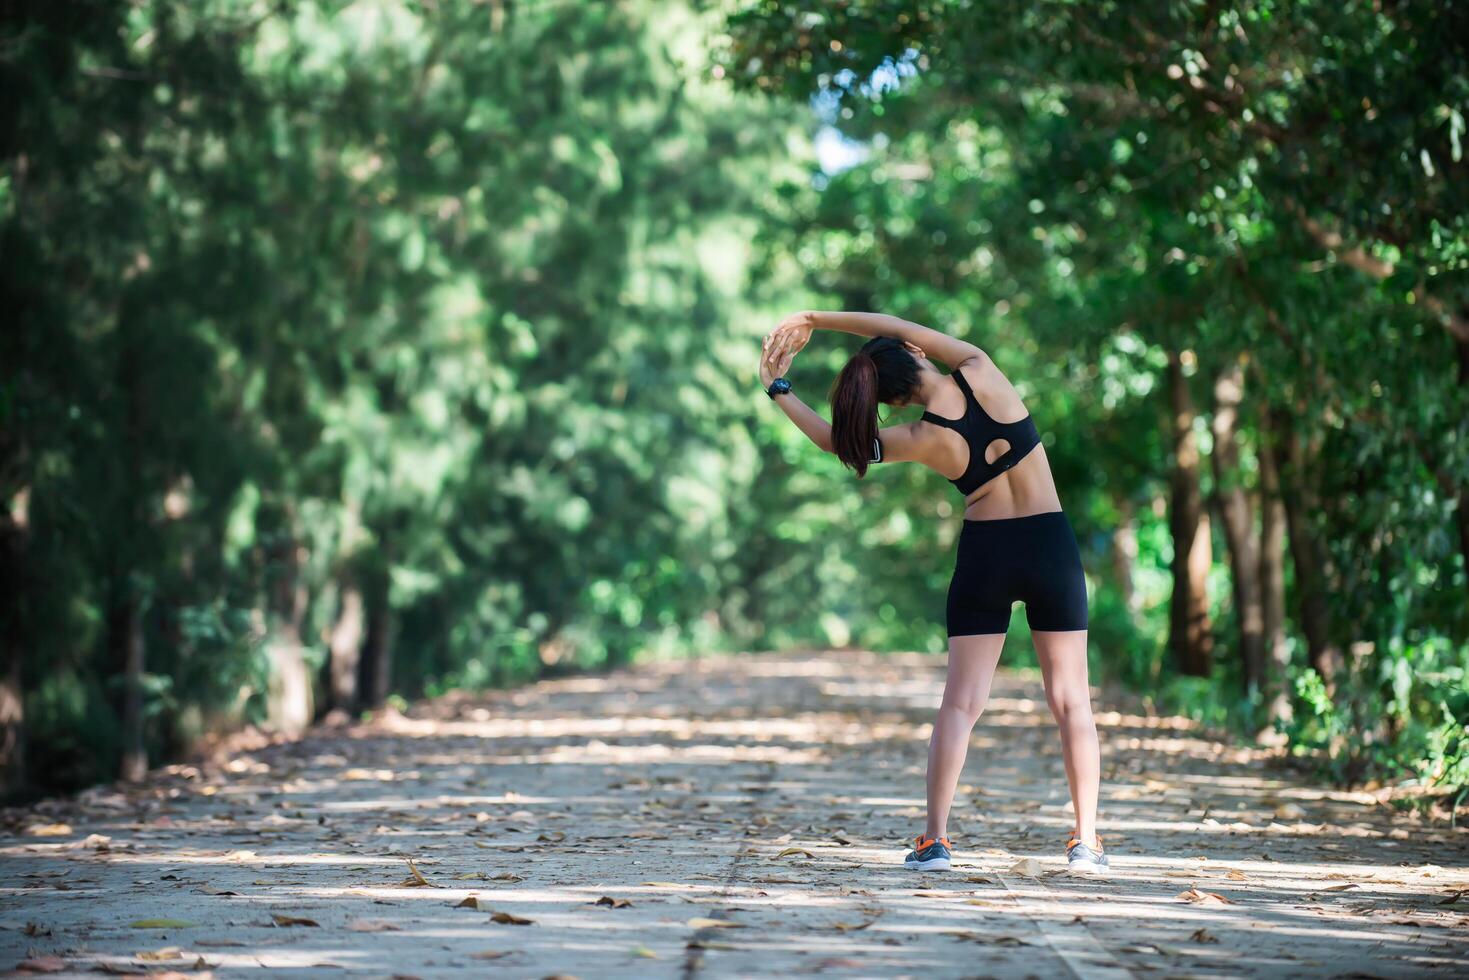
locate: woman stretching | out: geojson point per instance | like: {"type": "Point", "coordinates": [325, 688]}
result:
{"type": "Point", "coordinates": [1016, 544]}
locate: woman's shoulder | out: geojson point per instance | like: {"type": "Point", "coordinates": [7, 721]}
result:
{"type": "Point", "coordinates": [997, 396]}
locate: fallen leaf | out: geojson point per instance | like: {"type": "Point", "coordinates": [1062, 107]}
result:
{"type": "Point", "coordinates": [490, 954]}
{"type": "Point", "coordinates": [1203, 936]}
{"type": "Point", "coordinates": [1341, 888]}
{"type": "Point", "coordinates": [41, 964]}
{"type": "Point", "coordinates": [94, 842]}
{"type": "Point", "coordinates": [415, 878]}
{"type": "Point", "coordinates": [48, 830]}
{"type": "Point", "coordinates": [1027, 868]}
{"type": "Point", "coordinates": [1290, 811]}
{"type": "Point", "coordinates": [1196, 896]}
{"type": "Point", "coordinates": [709, 944]}
{"type": "Point", "coordinates": [506, 876]}
{"type": "Point", "coordinates": [644, 952]}
{"type": "Point", "coordinates": [470, 903]}
{"type": "Point", "coordinates": [166, 953]}
{"type": "Point", "coordinates": [505, 918]}
{"type": "Point", "coordinates": [286, 921]}
{"type": "Point", "coordinates": [851, 926]}
{"type": "Point", "coordinates": [554, 837]}
{"type": "Point", "coordinates": [795, 850]}
{"type": "Point", "coordinates": [1236, 875]}
{"type": "Point", "coordinates": [702, 923]}
{"type": "Point", "coordinates": [608, 900]}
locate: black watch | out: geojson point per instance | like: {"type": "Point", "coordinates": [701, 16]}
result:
{"type": "Point", "coordinates": [779, 386]}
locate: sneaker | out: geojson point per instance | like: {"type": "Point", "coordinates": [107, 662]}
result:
{"type": "Point", "coordinates": [928, 854]}
{"type": "Point", "coordinates": [1082, 860]}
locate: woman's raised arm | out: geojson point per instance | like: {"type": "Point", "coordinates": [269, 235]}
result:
{"type": "Point", "coordinates": [794, 331]}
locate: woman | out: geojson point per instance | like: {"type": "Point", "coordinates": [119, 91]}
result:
{"type": "Point", "coordinates": [1016, 544]}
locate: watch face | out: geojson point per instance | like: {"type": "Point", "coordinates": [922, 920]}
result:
{"type": "Point", "coordinates": [779, 386]}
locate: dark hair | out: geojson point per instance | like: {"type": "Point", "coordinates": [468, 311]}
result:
{"type": "Point", "coordinates": [882, 371]}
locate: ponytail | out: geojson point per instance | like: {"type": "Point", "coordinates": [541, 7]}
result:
{"type": "Point", "coordinates": [854, 412]}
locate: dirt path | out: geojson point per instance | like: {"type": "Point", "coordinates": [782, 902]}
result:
{"type": "Point", "coordinates": [735, 818]}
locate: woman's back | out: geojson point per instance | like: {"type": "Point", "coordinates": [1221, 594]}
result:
{"type": "Point", "coordinates": [1022, 489]}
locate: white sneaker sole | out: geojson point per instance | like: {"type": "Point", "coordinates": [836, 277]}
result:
{"type": "Point", "coordinates": [935, 864]}
{"type": "Point", "coordinates": [1087, 869]}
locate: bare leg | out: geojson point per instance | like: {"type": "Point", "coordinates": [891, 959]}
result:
{"type": "Point", "coordinates": [1063, 668]}
{"type": "Point", "coordinates": [972, 661]}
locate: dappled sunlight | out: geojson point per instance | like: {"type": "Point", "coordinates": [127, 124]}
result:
{"type": "Point", "coordinates": [732, 810]}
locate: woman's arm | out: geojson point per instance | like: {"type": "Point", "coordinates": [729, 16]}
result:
{"type": "Point", "coordinates": [817, 429]}
{"type": "Point", "coordinates": [794, 331]}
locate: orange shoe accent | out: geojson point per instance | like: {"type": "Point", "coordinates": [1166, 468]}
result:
{"type": "Point", "coordinates": [920, 842]}
{"type": "Point", "coordinates": [1077, 840]}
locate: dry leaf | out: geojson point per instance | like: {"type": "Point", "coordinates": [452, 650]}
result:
{"type": "Point", "coordinates": [1236, 875]}
{"type": "Point", "coordinates": [851, 926]}
{"type": "Point", "coordinates": [1203, 936]}
{"type": "Point", "coordinates": [644, 952]}
{"type": "Point", "coordinates": [609, 901]}
{"type": "Point", "coordinates": [166, 953]}
{"type": "Point", "coordinates": [506, 876]}
{"type": "Point", "coordinates": [1290, 811]}
{"type": "Point", "coordinates": [1196, 896]}
{"type": "Point", "coordinates": [1026, 868]}
{"type": "Point", "coordinates": [286, 921]}
{"type": "Point", "coordinates": [701, 923]}
{"type": "Point", "coordinates": [470, 903]}
{"type": "Point", "coordinates": [415, 878]}
{"type": "Point", "coordinates": [48, 830]}
{"type": "Point", "coordinates": [506, 919]}
{"type": "Point", "coordinates": [1340, 888]}
{"type": "Point", "coordinates": [490, 954]}
{"type": "Point", "coordinates": [795, 850]}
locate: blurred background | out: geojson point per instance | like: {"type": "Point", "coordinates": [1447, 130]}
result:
{"type": "Point", "coordinates": [359, 351]}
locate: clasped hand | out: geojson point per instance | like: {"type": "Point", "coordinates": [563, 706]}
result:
{"type": "Point", "coordinates": [782, 344]}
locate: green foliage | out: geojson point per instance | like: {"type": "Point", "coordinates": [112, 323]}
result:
{"type": "Point", "coordinates": [447, 314]}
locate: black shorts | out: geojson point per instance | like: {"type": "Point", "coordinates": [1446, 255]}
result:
{"type": "Point", "coordinates": [1033, 560]}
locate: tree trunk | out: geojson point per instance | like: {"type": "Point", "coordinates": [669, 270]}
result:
{"type": "Point", "coordinates": [376, 666]}
{"type": "Point", "coordinates": [1239, 525]}
{"type": "Point", "coordinates": [1308, 557]}
{"type": "Point", "coordinates": [289, 696]}
{"type": "Point", "coordinates": [1276, 688]}
{"type": "Point", "coordinates": [12, 697]}
{"type": "Point", "coordinates": [1124, 553]}
{"type": "Point", "coordinates": [125, 638]}
{"type": "Point", "coordinates": [345, 645]}
{"type": "Point", "coordinates": [1461, 345]}
{"type": "Point", "coordinates": [1190, 636]}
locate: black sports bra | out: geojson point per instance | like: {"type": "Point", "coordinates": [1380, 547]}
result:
{"type": "Point", "coordinates": [979, 430]}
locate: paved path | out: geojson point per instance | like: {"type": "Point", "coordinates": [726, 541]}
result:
{"type": "Point", "coordinates": [733, 817]}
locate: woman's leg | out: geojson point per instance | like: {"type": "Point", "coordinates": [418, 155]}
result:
{"type": "Point", "coordinates": [1063, 668]}
{"type": "Point", "coordinates": [972, 661]}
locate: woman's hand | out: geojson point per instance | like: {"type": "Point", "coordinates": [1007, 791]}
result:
{"type": "Point", "coordinates": [770, 370]}
{"type": "Point", "coordinates": [788, 338]}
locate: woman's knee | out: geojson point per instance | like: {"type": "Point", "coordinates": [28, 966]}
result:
{"type": "Point", "coordinates": [1069, 701]}
{"type": "Point", "coordinates": [969, 705]}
